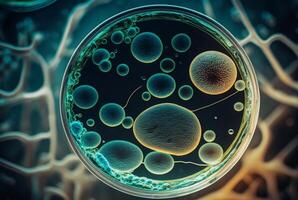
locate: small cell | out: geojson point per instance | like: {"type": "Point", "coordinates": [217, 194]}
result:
{"type": "Point", "coordinates": [230, 131]}
{"type": "Point", "coordinates": [127, 122]}
{"type": "Point", "coordinates": [209, 135]}
{"type": "Point", "coordinates": [105, 66]}
{"type": "Point", "coordinates": [181, 42]}
{"type": "Point", "coordinates": [131, 32]}
{"type": "Point", "coordinates": [85, 96]}
{"type": "Point", "coordinates": [239, 85]}
{"type": "Point", "coordinates": [146, 96]}
{"type": "Point", "coordinates": [122, 69]}
{"type": "Point", "coordinates": [185, 92]}
{"type": "Point", "coordinates": [161, 85]}
{"type": "Point", "coordinates": [211, 153]}
{"type": "Point", "coordinates": [111, 114]}
{"type": "Point", "coordinates": [100, 55]}
{"type": "Point", "coordinates": [117, 37]}
{"type": "Point", "coordinates": [167, 65]}
{"type": "Point", "coordinates": [91, 139]}
{"type": "Point", "coordinates": [158, 163]}
{"type": "Point", "coordinates": [238, 106]}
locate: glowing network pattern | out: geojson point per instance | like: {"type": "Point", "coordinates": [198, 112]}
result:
{"type": "Point", "coordinates": [75, 181]}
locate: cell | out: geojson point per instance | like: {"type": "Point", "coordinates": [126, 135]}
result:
{"type": "Point", "coordinates": [76, 128]}
{"type": "Point", "coordinates": [161, 85]}
{"type": "Point", "coordinates": [167, 65]}
{"type": "Point", "coordinates": [146, 96]}
{"type": "Point", "coordinates": [213, 72]}
{"type": "Point", "coordinates": [99, 55]}
{"type": "Point", "coordinates": [146, 47]}
{"type": "Point", "coordinates": [185, 92]}
{"type": "Point", "coordinates": [127, 40]}
{"type": "Point", "coordinates": [181, 42]}
{"type": "Point", "coordinates": [117, 37]}
{"type": "Point", "coordinates": [238, 106]}
{"type": "Point", "coordinates": [122, 155]}
{"type": "Point", "coordinates": [85, 96]}
{"type": "Point", "coordinates": [25, 5]}
{"type": "Point", "coordinates": [230, 131]}
{"type": "Point", "coordinates": [158, 163]}
{"type": "Point", "coordinates": [90, 139]}
{"type": "Point", "coordinates": [127, 122]}
{"type": "Point", "coordinates": [209, 135]}
{"type": "Point", "coordinates": [90, 122]}
{"type": "Point", "coordinates": [211, 153]}
{"type": "Point", "coordinates": [105, 66]}
{"type": "Point", "coordinates": [111, 114]}
{"type": "Point", "coordinates": [168, 128]}
{"type": "Point", "coordinates": [239, 85]}
{"type": "Point", "coordinates": [122, 69]}
{"type": "Point", "coordinates": [131, 32]}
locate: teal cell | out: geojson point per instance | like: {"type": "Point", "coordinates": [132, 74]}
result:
{"type": "Point", "coordinates": [159, 163]}
{"type": "Point", "coordinates": [111, 114]}
{"type": "Point", "coordinates": [100, 55]}
{"type": "Point", "coordinates": [146, 96]}
{"type": "Point", "coordinates": [90, 139]}
{"type": "Point", "coordinates": [90, 122]}
{"type": "Point", "coordinates": [127, 40]}
{"type": "Point", "coordinates": [121, 155]}
{"type": "Point", "coordinates": [117, 37]}
{"type": "Point", "coordinates": [122, 69]}
{"type": "Point", "coordinates": [76, 128]}
{"type": "Point", "coordinates": [146, 47]}
{"type": "Point", "coordinates": [127, 122]}
{"type": "Point", "coordinates": [112, 55]}
{"type": "Point", "coordinates": [185, 92]}
{"type": "Point", "coordinates": [181, 42]}
{"type": "Point", "coordinates": [104, 41]}
{"type": "Point", "coordinates": [131, 32]}
{"type": "Point", "coordinates": [105, 66]}
{"type": "Point", "coordinates": [85, 96]}
{"type": "Point", "coordinates": [161, 85]}
{"type": "Point", "coordinates": [137, 29]}
{"type": "Point", "coordinates": [167, 65]}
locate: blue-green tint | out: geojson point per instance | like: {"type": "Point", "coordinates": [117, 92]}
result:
{"type": "Point", "coordinates": [91, 139]}
{"type": "Point", "coordinates": [127, 122]}
{"type": "Point", "coordinates": [90, 122]}
{"type": "Point", "coordinates": [146, 96]}
{"type": "Point", "coordinates": [167, 65]}
{"type": "Point", "coordinates": [100, 55]}
{"type": "Point", "coordinates": [161, 85]}
{"type": "Point", "coordinates": [117, 37]}
{"type": "Point", "coordinates": [85, 96]}
{"type": "Point", "coordinates": [131, 32]}
{"type": "Point", "coordinates": [127, 40]}
{"type": "Point", "coordinates": [181, 42]}
{"type": "Point", "coordinates": [76, 128]}
{"type": "Point", "coordinates": [105, 66]}
{"type": "Point", "coordinates": [111, 114]}
{"type": "Point", "coordinates": [185, 92]}
{"type": "Point", "coordinates": [122, 69]}
{"type": "Point", "coordinates": [159, 163]}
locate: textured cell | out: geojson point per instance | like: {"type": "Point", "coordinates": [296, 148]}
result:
{"type": "Point", "coordinates": [240, 85]}
{"type": "Point", "coordinates": [213, 72]}
{"type": "Point", "coordinates": [91, 139]}
{"type": "Point", "coordinates": [161, 85]}
{"type": "Point", "coordinates": [168, 128]}
{"type": "Point", "coordinates": [121, 155]}
{"type": "Point", "coordinates": [85, 96]}
{"type": "Point", "coordinates": [90, 122]}
{"type": "Point", "coordinates": [122, 69]}
{"type": "Point", "coordinates": [146, 96]}
{"type": "Point", "coordinates": [111, 114]}
{"type": "Point", "coordinates": [76, 128]}
{"type": "Point", "coordinates": [100, 55]}
{"type": "Point", "coordinates": [158, 163]}
{"type": "Point", "coordinates": [209, 135]}
{"type": "Point", "coordinates": [181, 42]}
{"type": "Point", "coordinates": [117, 37]}
{"type": "Point", "coordinates": [238, 106]}
{"type": "Point", "coordinates": [105, 66]}
{"type": "Point", "coordinates": [146, 47]}
{"type": "Point", "coordinates": [167, 65]}
{"type": "Point", "coordinates": [127, 122]}
{"type": "Point", "coordinates": [211, 153]}
{"type": "Point", "coordinates": [185, 92]}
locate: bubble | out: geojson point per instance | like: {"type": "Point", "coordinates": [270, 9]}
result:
{"type": "Point", "coordinates": [112, 55]}
{"type": "Point", "coordinates": [127, 122]}
{"type": "Point", "coordinates": [146, 47]}
{"type": "Point", "coordinates": [167, 65]}
{"type": "Point", "coordinates": [76, 128]}
{"type": "Point", "coordinates": [146, 96]}
{"type": "Point", "coordinates": [85, 96]}
{"type": "Point", "coordinates": [161, 85]}
{"type": "Point", "coordinates": [168, 128]}
{"type": "Point", "coordinates": [131, 32]}
{"type": "Point", "coordinates": [111, 114]}
{"type": "Point", "coordinates": [91, 139]}
{"type": "Point", "coordinates": [239, 85]}
{"type": "Point", "coordinates": [209, 135]}
{"type": "Point", "coordinates": [231, 131]}
{"type": "Point", "coordinates": [238, 106]}
{"type": "Point", "coordinates": [181, 42]}
{"type": "Point", "coordinates": [105, 66]}
{"type": "Point", "coordinates": [185, 92]}
{"type": "Point", "coordinates": [213, 72]}
{"type": "Point", "coordinates": [100, 55]}
{"type": "Point", "coordinates": [127, 40]}
{"type": "Point", "coordinates": [122, 156]}
{"type": "Point", "coordinates": [211, 153]}
{"type": "Point", "coordinates": [117, 37]}
{"type": "Point", "coordinates": [159, 163]}
{"type": "Point", "coordinates": [122, 69]}
{"type": "Point", "coordinates": [90, 122]}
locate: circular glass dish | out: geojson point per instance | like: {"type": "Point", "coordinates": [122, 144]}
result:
{"type": "Point", "coordinates": [138, 182]}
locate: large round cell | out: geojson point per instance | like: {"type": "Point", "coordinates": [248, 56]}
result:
{"type": "Point", "coordinates": [99, 55]}
{"type": "Point", "coordinates": [168, 128]}
{"type": "Point", "coordinates": [85, 96]}
{"type": "Point", "coordinates": [185, 92]}
{"type": "Point", "coordinates": [158, 163]}
{"type": "Point", "coordinates": [90, 139]}
{"type": "Point", "coordinates": [161, 85]}
{"type": "Point", "coordinates": [211, 153]}
{"type": "Point", "coordinates": [122, 156]}
{"type": "Point", "coordinates": [213, 72]}
{"type": "Point", "coordinates": [181, 42]}
{"type": "Point", "coordinates": [146, 47]}
{"type": "Point", "coordinates": [111, 114]}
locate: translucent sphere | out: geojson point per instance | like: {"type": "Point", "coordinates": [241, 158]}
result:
{"type": "Point", "coordinates": [181, 42]}
{"type": "Point", "coordinates": [105, 66]}
{"type": "Point", "coordinates": [158, 163]}
{"type": "Point", "coordinates": [117, 37]}
{"type": "Point", "coordinates": [209, 135]}
{"type": "Point", "coordinates": [238, 106]}
{"type": "Point", "coordinates": [91, 139]}
{"type": "Point", "coordinates": [161, 85]}
{"type": "Point", "coordinates": [167, 65]}
{"type": "Point", "coordinates": [100, 55]}
{"type": "Point", "coordinates": [127, 122]}
{"type": "Point", "coordinates": [111, 114]}
{"type": "Point", "coordinates": [122, 69]}
{"type": "Point", "coordinates": [240, 85]}
{"type": "Point", "coordinates": [146, 47]}
{"type": "Point", "coordinates": [185, 92]}
{"type": "Point", "coordinates": [211, 153]}
{"type": "Point", "coordinates": [131, 32]}
{"type": "Point", "coordinates": [90, 122]}
{"type": "Point", "coordinates": [230, 131]}
{"type": "Point", "coordinates": [146, 96]}
{"type": "Point", "coordinates": [85, 96]}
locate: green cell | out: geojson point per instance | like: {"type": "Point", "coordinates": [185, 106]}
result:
{"type": "Point", "coordinates": [91, 139]}
{"type": "Point", "coordinates": [117, 37]}
{"type": "Point", "coordinates": [90, 122]}
{"type": "Point", "coordinates": [105, 66]}
{"type": "Point", "coordinates": [159, 163]}
{"type": "Point", "coordinates": [185, 92]}
{"type": "Point", "coordinates": [127, 122]}
{"type": "Point", "coordinates": [122, 69]}
{"type": "Point", "coordinates": [100, 55]}
{"type": "Point", "coordinates": [146, 96]}
{"type": "Point", "coordinates": [161, 85]}
{"type": "Point", "coordinates": [85, 96]}
{"type": "Point", "coordinates": [181, 42]}
{"type": "Point", "coordinates": [131, 32]}
{"type": "Point", "coordinates": [167, 65]}
{"type": "Point", "coordinates": [111, 114]}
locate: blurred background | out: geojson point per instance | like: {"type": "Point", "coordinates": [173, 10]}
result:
{"type": "Point", "coordinates": [36, 42]}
